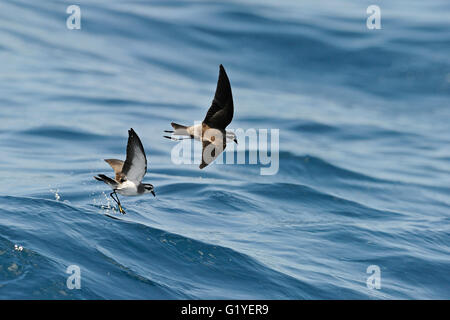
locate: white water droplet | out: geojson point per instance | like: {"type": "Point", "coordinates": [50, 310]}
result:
{"type": "Point", "coordinates": [57, 196]}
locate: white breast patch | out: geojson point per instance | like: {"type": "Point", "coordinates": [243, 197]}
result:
{"type": "Point", "coordinates": [128, 188]}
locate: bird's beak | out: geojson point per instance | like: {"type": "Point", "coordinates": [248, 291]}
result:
{"type": "Point", "coordinates": [153, 193]}
{"type": "Point", "coordinates": [235, 140]}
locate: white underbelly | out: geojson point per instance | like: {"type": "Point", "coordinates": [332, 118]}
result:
{"type": "Point", "coordinates": [128, 188]}
{"type": "Point", "coordinates": [195, 131]}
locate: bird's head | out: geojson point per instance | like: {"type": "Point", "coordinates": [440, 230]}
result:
{"type": "Point", "coordinates": [232, 136]}
{"type": "Point", "coordinates": [148, 188]}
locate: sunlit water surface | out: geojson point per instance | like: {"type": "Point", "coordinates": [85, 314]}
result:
{"type": "Point", "coordinates": [364, 155]}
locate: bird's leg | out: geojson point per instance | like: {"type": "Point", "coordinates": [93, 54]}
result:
{"type": "Point", "coordinates": [173, 138]}
{"type": "Point", "coordinates": [119, 204]}
{"type": "Point", "coordinates": [116, 199]}
{"type": "Point", "coordinates": [177, 139]}
{"type": "Point", "coordinates": [112, 196]}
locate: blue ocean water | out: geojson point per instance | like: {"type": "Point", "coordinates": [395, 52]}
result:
{"type": "Point", "coordinates": [364, 161]}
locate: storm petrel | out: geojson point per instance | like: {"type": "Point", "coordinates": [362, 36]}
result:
{"type": "Point", "coordinates": [211, 132]}
{"type": "Point", "coordinates": [129, 174]}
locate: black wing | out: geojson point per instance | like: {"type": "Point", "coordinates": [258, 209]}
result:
{"type": "Point", "coordinates": [135, 165]}
{"type": "Point", "coordinates": [221, 111]}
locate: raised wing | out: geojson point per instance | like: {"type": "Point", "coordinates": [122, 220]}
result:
{"type": "Point", "coordinates": [117, 166]}
{"type": "Point", "coordinates": [135, 165]}
{"type": "Point", "coordinates": [221, 111]}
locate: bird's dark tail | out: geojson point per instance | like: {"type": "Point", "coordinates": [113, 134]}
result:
{"type": "Point", "coordinates": [107, 180]}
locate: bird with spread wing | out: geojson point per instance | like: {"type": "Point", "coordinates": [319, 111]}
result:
{"type": "Point", "coordinates": [211, 132]}
{"type": "Point", "coordinates": [128, 174]}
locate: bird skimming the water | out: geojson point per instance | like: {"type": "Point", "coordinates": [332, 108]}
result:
{"type": "Point", "coordinates": [211, 132]}
{"type": "Point", "coordinates": [129, 174]}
